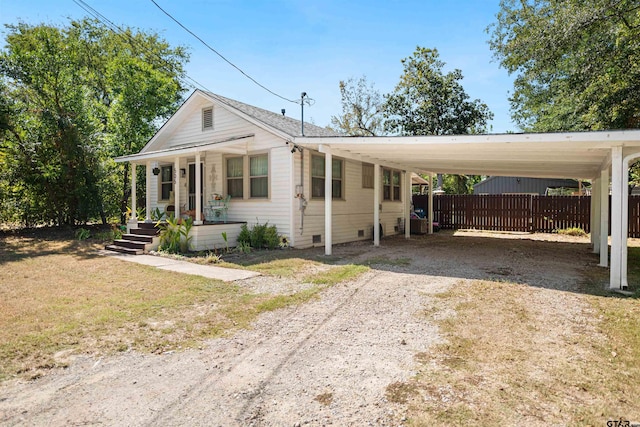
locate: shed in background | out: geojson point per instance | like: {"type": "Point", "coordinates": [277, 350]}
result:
{"type": "Point", "coordinates": [518, 185]}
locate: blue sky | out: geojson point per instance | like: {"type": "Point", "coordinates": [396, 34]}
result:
{"type": "Point", "coordinates": [292, 46]}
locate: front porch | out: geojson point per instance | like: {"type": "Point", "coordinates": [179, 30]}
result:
{"type": "Point", "coordinates": [205, 236]}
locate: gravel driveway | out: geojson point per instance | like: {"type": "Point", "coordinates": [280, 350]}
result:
{"type": "Point", "coordinates": [325, 362]}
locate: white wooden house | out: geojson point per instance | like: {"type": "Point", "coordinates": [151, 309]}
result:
{"type": "Point", "coordinates": [249, 154]}
{"type": "Point", "coordinates": [275, 173]}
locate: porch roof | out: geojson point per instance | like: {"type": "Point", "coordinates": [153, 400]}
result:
{"type": "Point", "coordinates": [233, 145]}
{"type": "Point", "coordinates": [545, 155]}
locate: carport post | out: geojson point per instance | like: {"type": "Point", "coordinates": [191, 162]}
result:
{"type": "Point", "coordinates": [604, 217]}
{"type": "Point", "coordinates": [407, 204]}
{"type": "Point", "coordinates": [595, 215]}
{"type": "Point", "coordinates": [430, 213]}
{"type": "Point", "coordinates": [615, 281]}
{"type": "Point", "coordinates": [376, 205]}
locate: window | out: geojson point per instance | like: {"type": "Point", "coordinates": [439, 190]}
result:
{"type": "Point", "coordinates": [386, 184]}
{"type": "Point", "coordinates": [317, 177]}
{"type": "Point", "coordinates": [248, 176]}
{"type": "Point", "coordinates": [207, 118]}
{"type": "Point", "coordinates": [390, 184]}
{"type": "Point", "coordinates": [259, 176]}
{"type": "Point", "coordinates": [395, 184]}
{"type": "Point", "coordinates": [367, 175]}
{"type": "Point", "coordinates": [166, 182]}
{"type": "Point", "coordinates": [235, 181]}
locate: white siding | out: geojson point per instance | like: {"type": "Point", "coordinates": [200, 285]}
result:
{"type": "Point", "coordinates": [209, 237]}
{"type": "Point", "coordinates": [353, 213]}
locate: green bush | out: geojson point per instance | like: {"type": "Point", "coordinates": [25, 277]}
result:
{"type": "Point", "coordinates": [174, 235]}
{"type": "Point", "coordinates": [259, 236]}
{"type": "Point", "coordinates": [82, 234]}
{"type": "Point", "coordinates": [244, 238]}
{"type": "Point", "coordinates": [573, 231]}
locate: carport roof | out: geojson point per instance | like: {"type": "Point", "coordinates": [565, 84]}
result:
{"type": "Point", "coordinates": [543, 155]}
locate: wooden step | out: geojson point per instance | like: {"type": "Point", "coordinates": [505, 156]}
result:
{"type": "Point", "coordinates": [147, 225]}
{"type": "Point", "coordinates": [131, 244]}
{"type": "Point", "coordinates": [138, 238]}
{"type": "Point", "coordinates": [145, 231]}
{"type": "Point", "coordinates": [124, 250]}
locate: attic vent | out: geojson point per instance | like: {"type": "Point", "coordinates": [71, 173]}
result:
{"type": "Point", "coordinates": [207, 118]}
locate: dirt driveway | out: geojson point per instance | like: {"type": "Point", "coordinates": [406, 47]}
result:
{"type": "Point", "coordinates": [329, 361]}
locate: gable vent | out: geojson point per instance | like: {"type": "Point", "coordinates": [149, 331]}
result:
{"type": "Point", "coordinates": [207, 118]}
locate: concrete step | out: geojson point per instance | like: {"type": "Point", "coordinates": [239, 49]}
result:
{"type": "Point", "coordinates": [124, 250]}
{"type": "Point", "coordinates": [131, 244]}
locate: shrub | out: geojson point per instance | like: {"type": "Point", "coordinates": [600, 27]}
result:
{"type": "Point", "coordinates": [174, 235]}
{"type": "Point", "coordinates": [82, 234]}
{"type": "Point", "coordinates": [259, 236]}
{"type": "Point", "coordinates": [245, 235]}
{"type": "Point", "coordinates": [573, 231]}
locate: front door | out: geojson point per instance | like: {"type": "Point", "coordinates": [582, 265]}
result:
{"type": "Point", "coordinates": [192, 185]}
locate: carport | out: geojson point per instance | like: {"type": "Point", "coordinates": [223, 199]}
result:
{"type": "Point", "coordinates": [602, 157]}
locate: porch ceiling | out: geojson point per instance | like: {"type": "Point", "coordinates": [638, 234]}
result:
{"type": "Point", "coordinates": [234, 145]}
{"type": "Point", "coordinates": [545, 155]}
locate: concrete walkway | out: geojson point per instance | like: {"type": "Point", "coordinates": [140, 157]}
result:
{"type": "Point", "coordinates": [209, 271]}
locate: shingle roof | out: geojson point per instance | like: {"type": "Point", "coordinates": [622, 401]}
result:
{"type": "Point", "coordinates": [282, 123]}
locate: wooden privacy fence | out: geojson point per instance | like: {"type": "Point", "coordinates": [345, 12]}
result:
{"type": "Point", "coordinates": [527, 213]}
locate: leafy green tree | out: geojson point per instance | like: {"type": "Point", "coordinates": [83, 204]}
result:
{"type": "Point", "coordinates": [361, 109]}
{"type": "Point", "coordinates": [71, 98]}
{"type": "Point", "coordinates": [428, 101]}
{"type": "Point", "coordinates": [576, 62]}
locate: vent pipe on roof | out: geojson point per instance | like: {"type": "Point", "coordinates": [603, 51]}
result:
{"type": "Point", "coordinates": [283, 111]}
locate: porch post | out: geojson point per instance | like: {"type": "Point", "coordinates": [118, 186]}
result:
{"type": "Point", "coordinates": [176, 186]}
{"type": "Point", "coordinates": [328, 199]}
{"type": "Point", "coordinates": [147, 191]}
{"type": "Point", "coordinates": [198, 220]}
{"type": "Point", "coordinates": [376, 205]}
{"type": "Point", "coordinates": [595, 215]}
{"type": "Point", "coordinates": [604, 218]}
{"type": "Point", "coordinates": [616, 218]}
{"type": "Point", "coordinates": [134, 207]}
{"type": "Point", "coordinates": [430, 213]}
{"type": "Point", "coordinates": [407, 205]}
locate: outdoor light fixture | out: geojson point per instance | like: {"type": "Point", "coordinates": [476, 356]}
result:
{"type": "Point", "coordinates": [183, 172]}
{"type": "Point", "coordinates": [156, 171]}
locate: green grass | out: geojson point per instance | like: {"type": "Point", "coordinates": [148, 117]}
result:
{"type": "Point", "coordinates": [57, 296]}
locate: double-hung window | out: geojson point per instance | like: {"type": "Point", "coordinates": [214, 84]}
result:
{"type": "Point", "coordinates": [367, 175]}
{"type": "Point", "coordinates": [235, 177]}
{"type": "Point", "coordinates": [390, 184]}
{"type": "Point", "coordinates": [166, 182]}
{"type": "Point", "coordinates": [318, 177]}
{"type": "Point", "coordinates": [259, 175]}
{"type": "Point", "coordinates": [248, 175]}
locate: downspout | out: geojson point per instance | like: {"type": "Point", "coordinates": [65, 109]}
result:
{"type": "Point", "coordinates": [303, 202]}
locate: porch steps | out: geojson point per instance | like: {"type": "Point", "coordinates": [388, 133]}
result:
{"type": "Point", "coordinates": [138, 241]}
